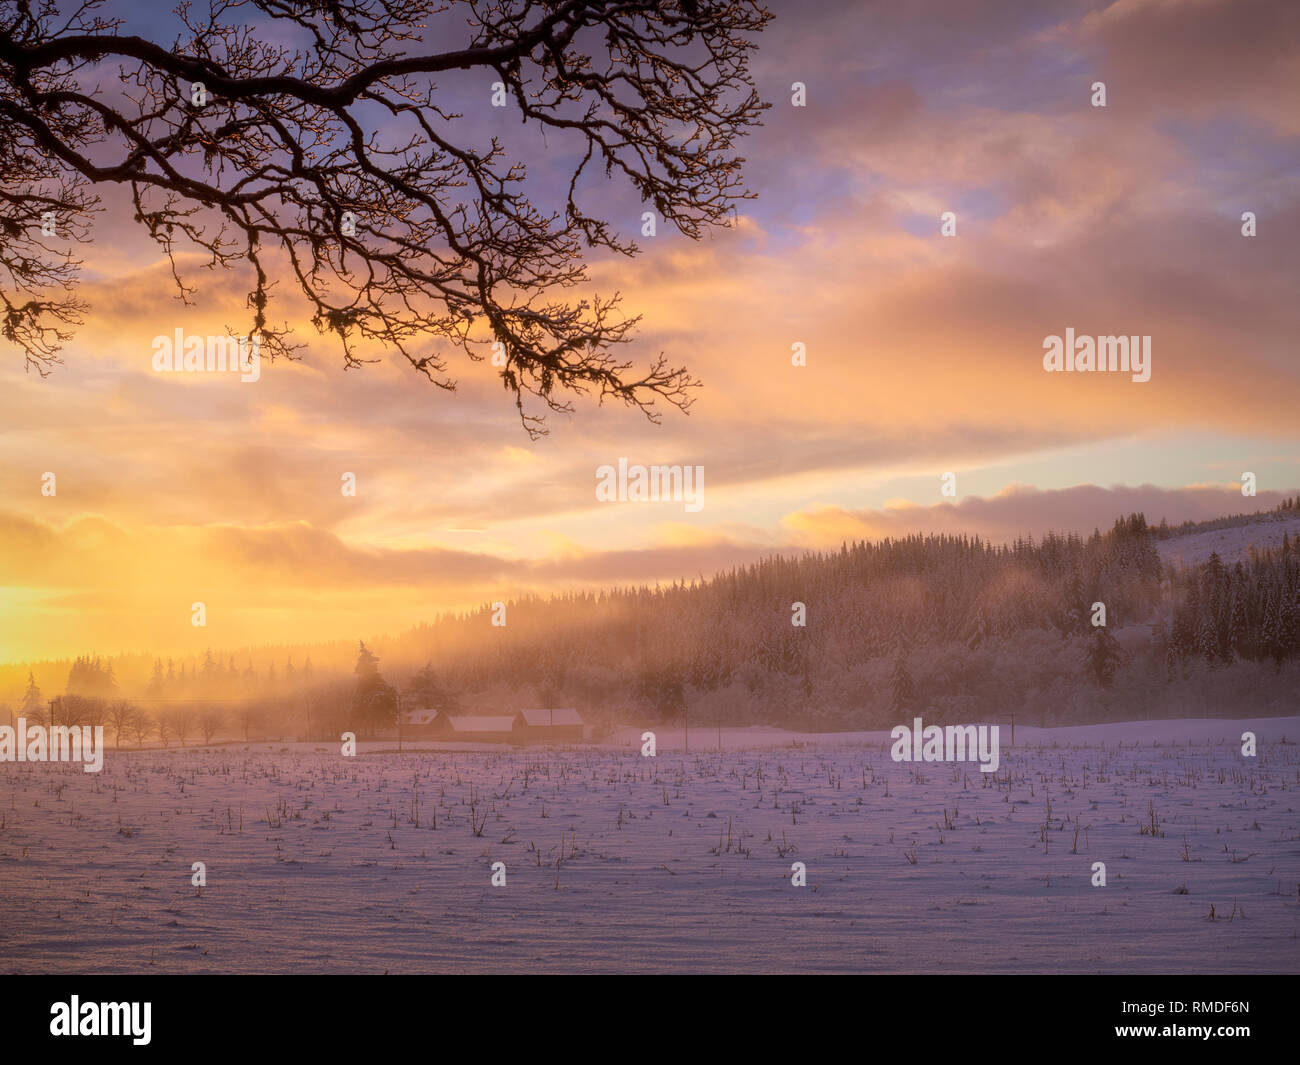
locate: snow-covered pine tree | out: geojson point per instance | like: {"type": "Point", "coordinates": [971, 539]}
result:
{"type": "Point", "coordinates": [1104, 656]}
{"type": "Point", "coordinates": [902, 698]}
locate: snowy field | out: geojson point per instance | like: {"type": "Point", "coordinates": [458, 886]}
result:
{"type": "Point", "coordinates": [616, 863]}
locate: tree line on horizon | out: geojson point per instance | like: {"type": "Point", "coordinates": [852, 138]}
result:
{"type": "Point", "coordinates": [949, 625]}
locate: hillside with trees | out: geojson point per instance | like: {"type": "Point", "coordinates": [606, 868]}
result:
{"type": "Point", "coordinates": [950, 627]}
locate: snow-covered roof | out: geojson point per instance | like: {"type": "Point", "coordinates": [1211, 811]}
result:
{"type": "Point", "coordinates": [540, 718]}
{"type": "Point", "coordinates": [491, 723]}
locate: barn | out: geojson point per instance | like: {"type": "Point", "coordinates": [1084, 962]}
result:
{"type": "Point", "coordinates": [466, 728]}
{"type": "Point", "coordinates": [548, 725]}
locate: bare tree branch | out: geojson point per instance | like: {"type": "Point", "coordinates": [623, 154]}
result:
{"type": "Point", "coordinates": [332, 162]}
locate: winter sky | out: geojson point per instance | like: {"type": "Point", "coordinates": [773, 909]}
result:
{"type": "Point", "coordinates": [924, 353]}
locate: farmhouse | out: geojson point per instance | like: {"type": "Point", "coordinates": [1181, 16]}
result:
{"type": "Point", "coordinates": [553, 725]}
{"type": "Point", "coordinates": [465, 728]}
{"type": "Point", "coordinates": [420, 724]}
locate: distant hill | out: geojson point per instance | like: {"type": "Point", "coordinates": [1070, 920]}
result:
{"type": "Point", "coordinates": [1232, 543]}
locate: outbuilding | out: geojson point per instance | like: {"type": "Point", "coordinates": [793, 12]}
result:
{"type": "Point", "coordinates": [557, 725]}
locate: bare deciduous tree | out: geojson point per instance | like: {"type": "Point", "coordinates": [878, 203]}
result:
{"type": "Point", "coordinates": [180, 722]}
{"type": "Point", "coordinates": [335, 161]}
{"type": "Point", "coordinates": [121, 716]}
{"type": "Point", "coordinates": [249, 718]}
{"type": "Point", "coordinates": [141, 726]}
{"type": "Point", "coordinates": [210, 723]}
